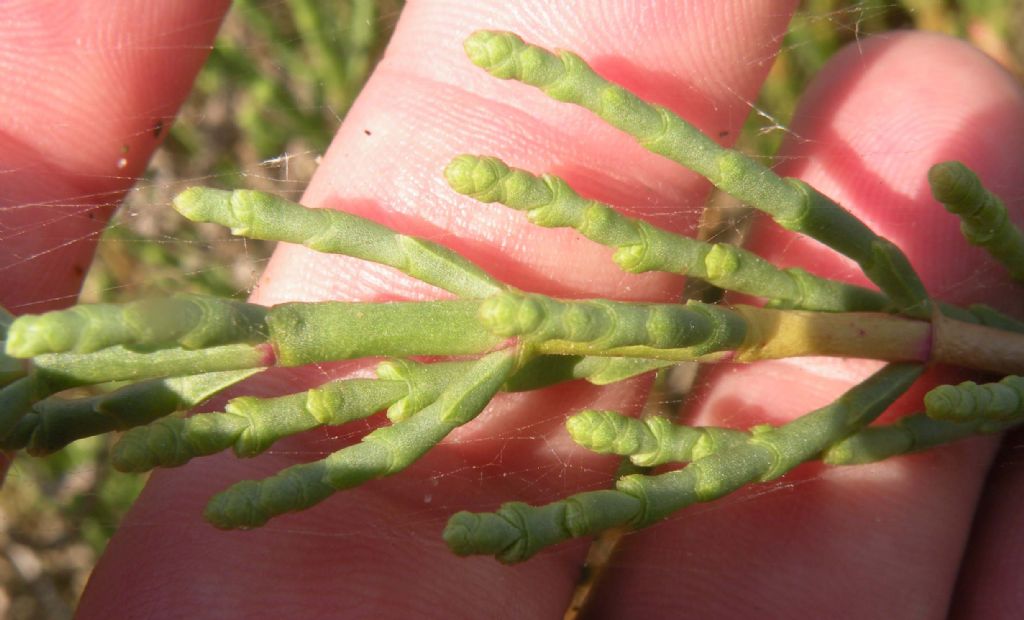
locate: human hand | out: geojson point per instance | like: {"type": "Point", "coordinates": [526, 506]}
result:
{"type": "Point", "coordinates": [421, 108]}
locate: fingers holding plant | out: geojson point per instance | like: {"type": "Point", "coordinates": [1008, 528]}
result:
{"type": "Point", "coordinates": [519, 341]}
{"type": "Point", "coordinates": [869, 129]}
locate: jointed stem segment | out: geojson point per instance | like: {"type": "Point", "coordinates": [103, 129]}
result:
{"type": "Point", "coordinates": [263, 216]}
{"type": "Point", "coordinates": [984, 220]}
{"type": "Point", "coordinates": [54, 372]}
{"type": "Point", "coordinates": [550, 202]}
{"type": "Point", "coordinates": [189, 321]}
{"type": "Point", "coordinates": [954, 412]}
{"type": "Point", "coordinates": [53, 423]}
{"type": "Point", "coordinates": [517, 531]}
{"type": "Point", "coordinates": [991, 402]}
{"type": "Point", "coordinates": [16, 401]}
{"type": "Point", "coordinates": [790, 202]}
{"type": "Point", "coordinates": [306, 333]}
{"type": "Point", "coordinates": [913, 433]}
{"type": "Point", "coordinates": [383, 452]}
{"type": "Point", "coordinates": [607, 325]}
{"type": "Point", "coordinates": [250, 425]}
{"type": "Point", "coordinates": [650, 441]}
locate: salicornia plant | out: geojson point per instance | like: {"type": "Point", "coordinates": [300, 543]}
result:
{"type": "Point", "coordinates": [446, 360]}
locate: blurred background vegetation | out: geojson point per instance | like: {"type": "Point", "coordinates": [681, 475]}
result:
{"type": "Point", "coordinates": [277, 85]}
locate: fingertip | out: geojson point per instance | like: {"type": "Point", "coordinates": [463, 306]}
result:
{"type": "Point", "coordinates": [91, 91]}
{"type": "Point", "coordinates": [428, 102]}
{"type": "Point", "coordinates": [100, 84]}
{"type": "Point", "coordinates": [868, 130]}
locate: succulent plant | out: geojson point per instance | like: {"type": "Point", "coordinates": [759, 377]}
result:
{"type": "Point", "coordinates": [446, 359]}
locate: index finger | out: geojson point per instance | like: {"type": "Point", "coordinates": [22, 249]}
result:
{"type": "Point", "coordinates": [90, 90]}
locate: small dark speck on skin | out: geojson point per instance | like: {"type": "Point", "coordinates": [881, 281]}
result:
{"type": "Point", "coordinates": [158, 127]}
{"type": "Point", "coordinates": [368, 132]}
{"type": "Point", "coordinates": [124, 149]}
{"type": "Point", "coordinates": [78, 270]}
{"type": "Point", "coordinates": [723, 133]}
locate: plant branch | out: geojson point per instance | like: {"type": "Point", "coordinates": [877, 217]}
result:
{"type": "Point", "coordinates": [189, 321]}
{"type": "Point", "coordinates": [383, 452]}
{"type": "Point", "coordinates": [517, 531]}
{"type": "Point", "coordinates": [53, 423]}
{"type": "Point", "coordinates": [793, 204]}
{"type": "Point", "coordinates": [257, 215]}
{"type": "Point", "coordinates": [978, 347]}
{"type": "Point", "coordinates": [550, 202]}
{"type": "Point", "coordinates": [984, 220]}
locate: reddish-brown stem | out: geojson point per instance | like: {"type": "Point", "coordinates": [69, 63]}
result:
{"type": "Point", "coordinates": [977, 347]}
{"type": "Point", "coordinates": [775, 334]}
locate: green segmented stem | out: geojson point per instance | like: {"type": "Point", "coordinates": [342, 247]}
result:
{"type": "Point", "coordinates": [54, 372]}
{"type": "Point", "coordinates": [790, 202]}
{"type": "Point", "coordinates": [994, 402]}
{"type": "Point", "coordinates": [991, 317]}
{"type": "Point", "coordinates": [263, 216]}
{"type": "Point", "coordinates": [306, 333]}
{"type": "Point", "coordinates": [981, 314]}
{"type": "Point", "coordinates": [608, 370]}
{"type": "Point", "coordinates": [607, 325]}
{"type": "Point", "coordinates": [697, 331]}
{"type": "Point", "coordinates": [251, 503]}
{"type": "Point", "coordinates": [771, 452]}
{"type": "Point", "coordinates": [422, 383]}
{"type": "Point", "coordinates": [425, 382]}
{"type": "Point", "coordinates": [55, 422]}
{"type": "Point", "coordinates": [250, 425]}
{"type": "Point", "coordinates": [517, 531]}
{"type": "Point", "coordinates": [16, 401]}
{"type": "Point", "coordinates": [11, 369]}
{"type": "Point", "coordinates": [984, 220]}
{"type": "Point", "coordinates": [549, 201]}
{"type": "Point", "coordinates": [657, 440]}
{"type": "Point", "coordinates": [172, 442]}
{"type": "Point", "coordinates": [385, 451]}
{"type": "Point", "coordinates": [396, 447]}
{"type": "Point", "coordinates": [910, 434]}
{"type": "Point", "coordinates": [544, 370]}
{"type": "Point", "coordinates": [188, 321]}
{"type": "Point", "coordinates": [299, 333]}
{"type": "Point", "coordinates": [649, 441]}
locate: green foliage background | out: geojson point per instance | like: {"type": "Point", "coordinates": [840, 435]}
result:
{"type": "Point", "coordinates": [280, 79]}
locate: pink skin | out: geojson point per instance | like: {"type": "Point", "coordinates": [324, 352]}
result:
{"type": "Point", "coordinates": [835, 543]}
{"type": "Point", "coordinates": [86, 85]}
